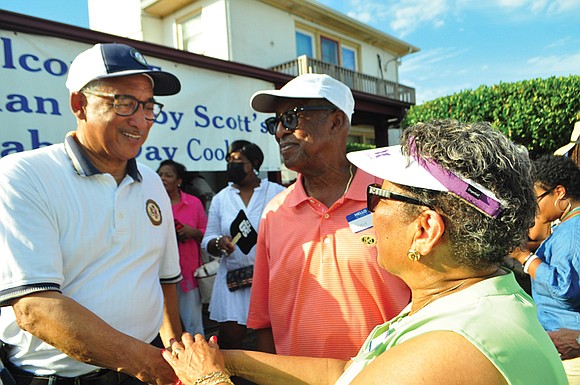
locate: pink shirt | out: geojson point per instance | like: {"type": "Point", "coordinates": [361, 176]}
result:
{"type": "Point", "coordinates": [189, 211]}
{"type": "Point", "coordinates": [316, 283]}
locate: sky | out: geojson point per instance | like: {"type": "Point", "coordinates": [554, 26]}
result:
{"type": "Point", "coordinates": [463, 43]}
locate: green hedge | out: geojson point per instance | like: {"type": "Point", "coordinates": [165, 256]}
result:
{"type": "Point", "coordinates": [358, 146]}
{"type": "Point", "coordinates": [537, 113]}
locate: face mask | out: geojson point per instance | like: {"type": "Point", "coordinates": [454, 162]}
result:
{"type": "Point", "coordinates": [236, 172]}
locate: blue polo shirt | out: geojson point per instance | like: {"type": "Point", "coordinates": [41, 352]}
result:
{"type": "Point", "coordinates": [556, 287]}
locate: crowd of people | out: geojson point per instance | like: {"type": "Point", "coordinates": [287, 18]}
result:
{"type": "Point", "coordinates": [383, 266]}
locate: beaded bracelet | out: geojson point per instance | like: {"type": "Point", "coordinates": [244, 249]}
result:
{"type": "Point", "coordinates": [217, 243]}
{"type": "Point", "coordinates": [214, 378]}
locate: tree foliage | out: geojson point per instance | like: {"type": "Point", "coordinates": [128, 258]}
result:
{"type": "Point", "coordinates": [358, 147]}
{"type": "Point", "coordinates": [537, 113]}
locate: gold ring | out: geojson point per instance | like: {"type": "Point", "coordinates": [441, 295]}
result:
{"type": "Point", "coordinates": [176, 351]}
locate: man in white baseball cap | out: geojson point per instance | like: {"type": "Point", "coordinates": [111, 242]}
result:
{"type": "Point", "coordinates": [90, 262]}
{"type": "Point", "coordinates": [316, 242]}
{"type": "Point", "coordinates": [307, 86]}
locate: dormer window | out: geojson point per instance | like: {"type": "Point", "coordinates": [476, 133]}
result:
{"type": "Point", "coordinates": [326, 48]}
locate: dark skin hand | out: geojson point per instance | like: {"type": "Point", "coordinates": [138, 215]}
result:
{"type": "Point", "coordinates": [186, 232]}
{"type": "Point", "coordinates": [225, 244]}
{"type": "Point", "coordinates": [566, 343]}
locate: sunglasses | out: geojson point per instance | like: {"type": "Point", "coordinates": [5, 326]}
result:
{"type": "Point", "coordinates": [544, 194]}
{"type": "Point", "coordinates": [127, 105]}
{"type": "Point", "coordinates": [289, 119]}
{"type": "Point", "coordinates": [375, 193]}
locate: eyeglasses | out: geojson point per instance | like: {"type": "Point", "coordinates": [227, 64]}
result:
{"type": "Point", "coordinates": [375, 193]}
{"type": "Point", "coordinates": [289, 119]}
{"type": "Point", "coordinates": [544, 194]}
{"type": "Point", "coordinates": [127, 105]}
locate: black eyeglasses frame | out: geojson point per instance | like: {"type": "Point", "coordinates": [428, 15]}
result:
{"type": "Point", "coordinates": [289, 119]}
{"type": "Point", "coordinates": [118, 97]}
{"type": "Point", "coordinates": [544, 194]}
{"type": "Point", "coordinates": [374, 190]}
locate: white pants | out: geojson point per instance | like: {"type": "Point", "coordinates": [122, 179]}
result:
{"type": "Point", "coordinates": [572, 368]}
{"type": "Point", "coordinates": [190, 311]}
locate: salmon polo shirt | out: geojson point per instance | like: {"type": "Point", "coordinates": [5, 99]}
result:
{"type": "Point", "coordinates": [317, 282]}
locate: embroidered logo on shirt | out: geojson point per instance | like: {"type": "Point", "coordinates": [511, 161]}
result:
{"type": "Point", "coordinates": [153, 212]}
{"type": "Point", "coordinates": [368, 240]}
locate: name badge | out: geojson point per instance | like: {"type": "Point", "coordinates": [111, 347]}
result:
{"type": "Point", "coordinates": [360, 220]}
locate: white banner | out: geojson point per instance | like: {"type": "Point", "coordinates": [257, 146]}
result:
{"type": "Point", "coordinates": [196, 126]}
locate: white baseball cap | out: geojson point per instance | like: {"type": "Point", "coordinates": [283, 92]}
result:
{"type": "Point", "coordinates": [389, 163]}
{"type": "Point", "coordinates": [307, 86]}
{"type": "Point", "coordinates": [112, 60]}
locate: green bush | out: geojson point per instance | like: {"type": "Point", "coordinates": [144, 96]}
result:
{"type": "Point", "coordinates": [358, 146]}
{"type": "Point", "coordinates": [537, 113]}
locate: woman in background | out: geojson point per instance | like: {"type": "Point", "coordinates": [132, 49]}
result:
{"type": "Point", "coordinates": [555, 265]}
{"type": "Point", "coordinates": [190, 222]}
{"type": "Point", "coordinates": [237, 207]}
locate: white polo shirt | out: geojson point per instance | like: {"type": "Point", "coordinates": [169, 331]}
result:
{"type": "Point", "coordinates": [65, 226]}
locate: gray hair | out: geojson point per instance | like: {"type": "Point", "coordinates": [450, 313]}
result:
{"type": "Point", "coordinates": [94, 85]}
{"type": "Point", "coordinates": [481, 153]}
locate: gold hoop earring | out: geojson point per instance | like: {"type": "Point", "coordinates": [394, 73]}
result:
{"type": "Point", "coordinates": [557, 205]}
{"type": "Point", "coordinates": [414, 255]}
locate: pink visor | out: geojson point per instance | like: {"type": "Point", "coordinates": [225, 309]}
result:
{"type": "Point", "coordinates": [390, 164]}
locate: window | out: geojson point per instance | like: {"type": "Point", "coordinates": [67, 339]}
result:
{"type": "Point", "coordinates": [361, 134]}
{"type": "Point", "coordinates": [348, 58]}
{"type": "Point", "coordinates": [354, 139]}
{"type": "Point", "coordinates": [190, 34]}
{"type": "Point", "coordinates": [303, 44]}
{"type": "Point", "coordinates": [329, 50]}
{"type": "Point", "coordinates": [326, 47]}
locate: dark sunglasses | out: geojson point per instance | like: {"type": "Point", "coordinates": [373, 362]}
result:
{"type": "Point", "coordinates": [542, 195]}
{"type": "Point", "coordinates": [375, 193]}
{"type": "Point", "coordinates": [289, 119]}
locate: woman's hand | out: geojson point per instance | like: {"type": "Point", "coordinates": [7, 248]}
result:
{"type": "Point", "coordinates": [520, 254]}
{"type": "Point", "coordinates": [566, 342]}
{"type": "Point", "coordinates": [194, 357]}
{"type": "Point", "coordinates": [187, 232]}
{"type": "Point", "coordinates": [225, 244]}
{"type": "Point", "coordinates": [220, 245]}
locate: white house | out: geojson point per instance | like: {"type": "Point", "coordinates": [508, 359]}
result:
{"type": "Point", "coordinates": [222, 51]}
{"type": "Point", "coordinates": [288, 36]}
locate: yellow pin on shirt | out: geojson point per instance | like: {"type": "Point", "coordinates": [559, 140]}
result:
{"type": "Point", "coordinates": [368, 240]}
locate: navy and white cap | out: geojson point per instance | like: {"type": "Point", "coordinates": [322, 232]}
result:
{"type": "Point", "coordinates": [390, 164]}
{"type": "Point", "coordinates": [113, 60]}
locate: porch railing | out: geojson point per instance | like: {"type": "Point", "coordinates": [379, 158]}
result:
{"type": "Point", "coordinates": [355, 80]}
